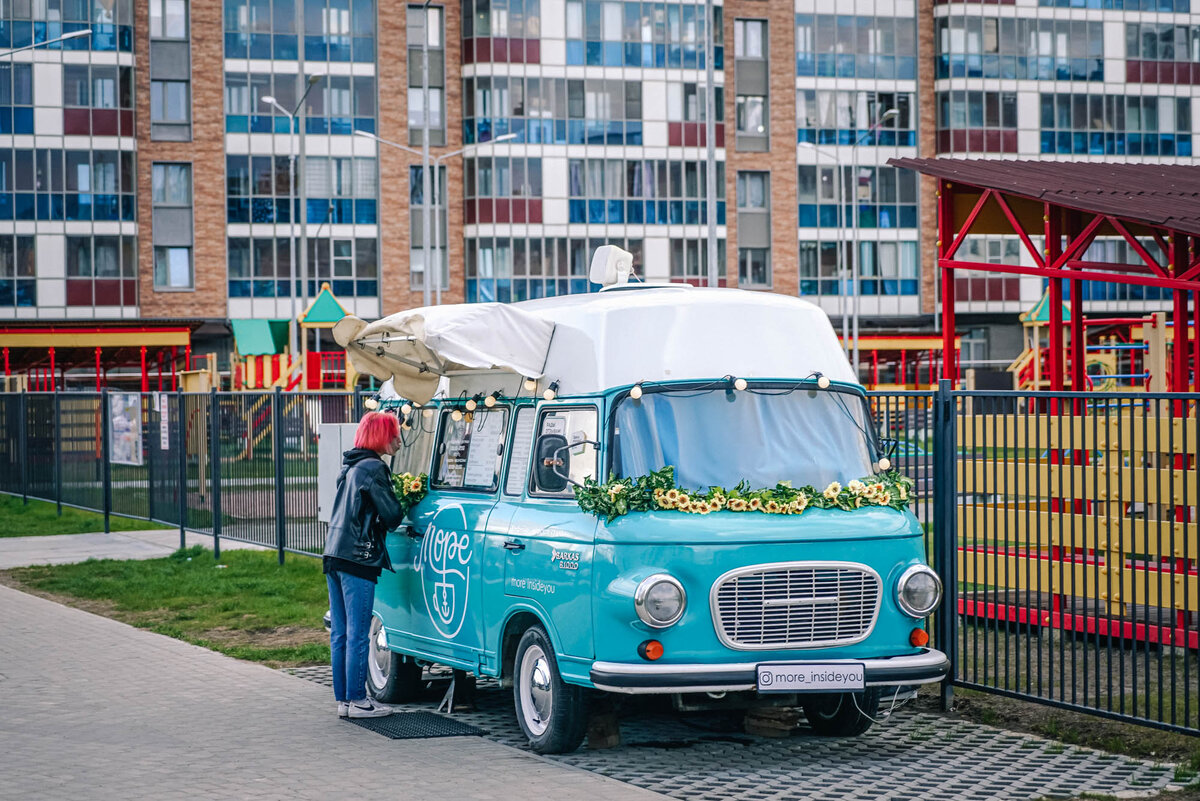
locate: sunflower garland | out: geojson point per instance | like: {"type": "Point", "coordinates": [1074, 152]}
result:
{"type": "Point", "coordinates": [658, 491]}
{"type": "Point", "coordinates": [410, 489]}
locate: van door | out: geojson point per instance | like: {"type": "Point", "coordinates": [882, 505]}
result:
{"type": "Point", "coordinates": [547, 540]}
{"type": "Point", "coordinates": [441, 585]}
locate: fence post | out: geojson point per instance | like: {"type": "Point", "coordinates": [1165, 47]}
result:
{"type": "Point", "coordinates": [58, 460]}
{"type": "Point", "coordinates": [23, 444]}
{"type": "Point", "coordinates": [105, 456]}
{"type": "Point", "coordinates": [945, 536]}
{"type": "Point", "coordinates": [277, 457]}
{"type": "Point", "coordinates": [182, 426]}
{"type": "Point", "coordinates": [149, 447]}
{"type": "Point", "coordinates": [214, 428]}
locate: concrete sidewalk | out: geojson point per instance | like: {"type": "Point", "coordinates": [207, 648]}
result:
{"type": "Point", "coordinates": [92, 708]}
{"type": "Point", "coordinates": [62, 549]}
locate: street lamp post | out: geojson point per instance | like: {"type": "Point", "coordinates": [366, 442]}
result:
{"type": "Point", "coordinates": [891, 113]}
{"type": "Point", "coordinates": [710, 127]}
{"type": "Point", "coordinates": [63, 38]}
{"type": "Point", "coordinates": [295, 285]}
{"type": "Point", "coordinates": [841, 255]}
{"type": "Point", "coordinates": [425, 181]}
{"type": "Point", "coordinates": [437, 164]}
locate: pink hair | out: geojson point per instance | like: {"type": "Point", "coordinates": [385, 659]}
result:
{"type": "Point", "coordinates": [376, 431]}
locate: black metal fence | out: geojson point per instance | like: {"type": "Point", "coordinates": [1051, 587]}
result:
{"type": "Point", "coordinates": [1064, 525]}
{"type": "Point", "coordinates": [246, 462]}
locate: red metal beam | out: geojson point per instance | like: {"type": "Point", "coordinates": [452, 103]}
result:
{"type": "Point", "coordinates": [1137, 246]}
{"type": "Point", "coordinates": [1012, 219]}
{"type": "Point", "coordinates": [1079, 243]}
{"type": "Point", "coordinates": [1052, 225]}
{"type": "Point", "coordinates": [1083, 275]}
{"type": "Point", "coordinates": [966, 228]}
{"type": "Point", "coordinates": [54, 372]}
{"type": "Point", "coordinates": [945, 201]}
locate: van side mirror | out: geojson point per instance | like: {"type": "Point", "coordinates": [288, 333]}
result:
{"type": "Point", "coordinates": [888, 445]}
{"type": "Point", "coordinates": [552, 464]}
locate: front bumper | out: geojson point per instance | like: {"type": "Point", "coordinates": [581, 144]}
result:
{"type": "Point", "coordinates": [623, 677]}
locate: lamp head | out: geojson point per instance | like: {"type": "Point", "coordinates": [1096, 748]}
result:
{"type": "Point", "coordinates": [76, 34]}
{"type": "Point", "coordinates": [890, 114]}
{"type": "Point", "coordinates": [313, 80]}
{"type": "Point", "coordinates": [268, 99]}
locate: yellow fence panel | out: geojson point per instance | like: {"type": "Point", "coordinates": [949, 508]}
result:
{"type": "Point", "coordinates": [1043, 529]}
{"type": "Point", "coordinates": [1125, 432]}
{"type": "Point", "coordinates": [1079, 482]}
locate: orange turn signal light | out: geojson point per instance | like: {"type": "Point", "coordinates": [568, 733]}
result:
{"type": "Point", "coordinates": [919, 638]}
{"type": "Point", "coordinates": [650, 650]}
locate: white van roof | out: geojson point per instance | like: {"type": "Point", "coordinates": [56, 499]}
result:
{"type": "Point", "coordinates": [620, 336]}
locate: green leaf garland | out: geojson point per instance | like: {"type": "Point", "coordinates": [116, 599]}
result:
{"type": "Point", "coordinates": [410, 489]}
{"type": "Point", "coordinates": [658, 491]}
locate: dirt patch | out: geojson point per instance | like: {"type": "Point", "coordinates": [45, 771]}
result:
{"type": "Point", "coordinates": [97, 606]}
{"type": "Point", "coordinates": [282, 637]}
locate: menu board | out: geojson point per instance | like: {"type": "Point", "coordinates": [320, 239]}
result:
{"type": "Point", "coordinates": [487, 430]}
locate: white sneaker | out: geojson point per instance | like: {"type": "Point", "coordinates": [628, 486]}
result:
{"type": "Point", "coordinates": [368, 708]}
{"type": "Point", "coordinates": [343, 709]}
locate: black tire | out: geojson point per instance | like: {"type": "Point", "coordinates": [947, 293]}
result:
{"type": "Point", "coordinates": [842, 714]}
{"type": "Point", "coordinates": [392, 678]}
{"type": "Point", "coordinates": [551, 713]}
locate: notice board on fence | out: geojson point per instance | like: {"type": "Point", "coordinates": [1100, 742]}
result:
{"type": "Point", "coordinates": [125, 428]}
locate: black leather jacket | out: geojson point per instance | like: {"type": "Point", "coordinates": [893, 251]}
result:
{"type": "Point", "coordinates": [364, 510]}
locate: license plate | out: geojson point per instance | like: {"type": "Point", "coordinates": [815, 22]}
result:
{"type": "Point", "coordinates": [810, 677]}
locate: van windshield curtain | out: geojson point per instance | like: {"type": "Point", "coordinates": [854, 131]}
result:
{"type": "Point", "coordinates": [719, 438]}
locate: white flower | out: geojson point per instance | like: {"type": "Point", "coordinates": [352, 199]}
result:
{"type": "Point", "coordinates": [856, 487]}
{"type": "Point", "coordinates": [833, 490]}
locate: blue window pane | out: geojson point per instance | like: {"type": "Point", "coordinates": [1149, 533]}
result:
{"type": "Point", "coordinates": [26, 208]}
{"type": "Point", "coordinates": [364, 124]}
{"type": "Point", "coordinates": [237, 123]}
{"type": "Point", "coordinates": [364, 49]}
{"type": "Point", "coordinates": [6, 206]}
{"type": "Point", "coordinates": [318, 125]}
{"type": "Point", "coordinates": [74, 211]}
{"type": "Point", "coordinates": [260, 45]}
{"type": "Point", "coordinates": [575, 52]}
{"type": "Point", "coordinates": [633, 212]}
{"type": "Point", "coordinates": [616, 211]}
{"type": "Point", "coordinates": [595, 54]}
{"type": "Point", "coordinates": [367, 289]}
{"type": "Point", "coordinates": [314, 48]}
{"type": "Point", "coordinates": [365, 212]}
{"type": "Point", "coordinates": [504, 290]}
{"type": "Point", "coordinates": [22, 120]}
{"type": "Point", "coordinates": [339, 48]}
{"type": "Point", "coordinates": [318, 210]}
{"type": "Point", "coordinates": [264, 289]}
{"type": "Point", "coordinates": [576, 211]}
{"type": "Point", "coordinates": [237, 210]}
{"type": "Point", "coordinates": [7, 292]}
{"type": "Point", "coordinates": [344, 288]}
{"type": "Point", "coordinates": [235, 45]}
{"type": "Point", "coordinates": [262, 210]}
{"type": "Point", "coordinates": [286, 47]}
{"type": "Point", "coordinates": [675, 212]}
{"type": "Point", "coordinates": [472, 294]}
{"type": "Point", "coordinates": [595, 211]}
{"type": "Point", "coordinates": [26, 293]}
{"type": "Point", "coordinates": [129, 208]}
{"type": "Point", "coordinates": [43, 207]}
{"type": "Point", "coordinates": [5, 33]}
{"type": "Point", "coordinates": [908, 216]}
{"type": "Point", "coordinates": [22, 34]}
{"type": "Point", "coordinates": [578, 286]}
{"type": "Point", "coordinates": [281, 210]}
{"type": "Point", "coordinates": [261, 123]}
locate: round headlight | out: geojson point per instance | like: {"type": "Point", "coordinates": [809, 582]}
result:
{"type": "Point", "coordinates": [919, 591]}
{"type": "Point", "coordinates": [659, 601]}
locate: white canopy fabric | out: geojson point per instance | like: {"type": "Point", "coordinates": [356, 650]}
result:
{"type": "Point", "coordinates": [415, 348]}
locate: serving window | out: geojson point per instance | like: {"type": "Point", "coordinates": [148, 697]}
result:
{"type": "Point", "coordinates": [470, 450]}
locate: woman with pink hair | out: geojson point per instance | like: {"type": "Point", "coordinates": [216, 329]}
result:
{"type": "Point", "coordinates": [364, 510]}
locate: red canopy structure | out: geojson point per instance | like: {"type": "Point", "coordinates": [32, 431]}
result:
{"type": "Point", "coordinates": [1068, 205]}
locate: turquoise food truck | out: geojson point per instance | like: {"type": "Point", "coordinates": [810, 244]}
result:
{"type": "Point", "coordinates": [647, 489]}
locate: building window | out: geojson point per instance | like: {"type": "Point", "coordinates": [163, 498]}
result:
{"type": "Point", "coordinates": [501, 189]}
{"type": "Point", "coordinates": [752, 191]}
{"type": "Point", "coordinates": [426, 38]}
{"type": "Point", "coordinates": [169, 102]}
{"type": "Point", "coordinates": [689, 261]}
{"type": "Point", "coordinates": [1149, 41]}
{"type": "Point", "coordinates": [1116, 125]}
{"type": "Point", "coordinates": [751, 115]}
{"type": "Point", "coordinates": [750, 38]}
{"type": "Point", "coordinates": [650, 192]}
{"type": "Point", "coordinates": [983, 122]}
{"type": "Point", "coordinates": [886, 268]}
{"type": "Point", "coordinates": [685, 102]}
{"type": "Point", "coordinates": [845, 46]}
{"type": "Point", "coordinates": [754, 267]}
{"type": "Point", "coordinates": [18, 271]}
{"type": "Point", "coordinates": [416, 203]}
{"type": "Point", "coordinates": [602, 33]}
{"type": "Point", "coordinates": [16, 98]}
{"type": "Point", "coordinates": [1017, 48]}
{"type": "Point", "coordinates": [168, 19]}
{"type": "Point", "coordinates": [49, 184]}
{"type": "Point", "coordinates": [101, 271]}
{"type": "Point", "coordinates": [260, 267]}
{"type": "Point", "coordinates": [341, 190]}
{"type": "Point", "coordinates": [887, 197]}
{"type": "Point", "coordinates": [340, 104]}
{"type": "Point", "coordinates": [829, 117]}
{"type": "Point", "coordinates": [171, 196]}
{"type": "Point", "coordinates": [97, 100]}
{"type": "Point", "coordinates": [515, 268]}
{"type": "Point", "coordinates": [553, 110]}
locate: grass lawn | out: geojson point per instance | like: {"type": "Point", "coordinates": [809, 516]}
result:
{"type": "Point", "coordinates": [40, 518]}
{"type": "Point", "coordinates": [245, 605]}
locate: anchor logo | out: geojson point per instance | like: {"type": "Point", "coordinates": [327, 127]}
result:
{"type": "Point", "coordinates": [444, 564]}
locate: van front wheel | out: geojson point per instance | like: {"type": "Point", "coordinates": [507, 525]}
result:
{"type": "Point", "coordinates": [391, 677]}
{"type": "Point", "coordinates": [551, 712]}
{"type": "Point", "coordinates": [842, 714]}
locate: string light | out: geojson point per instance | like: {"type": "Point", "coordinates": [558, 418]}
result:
{"type": "Point", "coordinates": [530, 384]}
{"type": "Point", "coordinates": [471, 404]}
{"type": "Point", "coordinates": [406, 409]}
{"type": "Point", "coordinates": [371, 404]}
{"type": "Point", "coordinates": [489, 401]}
{"type": "Point", "coordinates": [823, 382]}
{"type": "Point", "coordinates": [551, 391]}
{"type": "Point", "coordinates": [456, 415]}
{"type": "Point", "coordinates": [885, 463]}
{"type": "Point", "coordinates": [739, 384]}
{"type": "Point", "coordinates": [636, 392]}
{"type": "Point", "coordinates": [427, 413]}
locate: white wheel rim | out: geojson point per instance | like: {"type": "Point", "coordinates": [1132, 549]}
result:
{"type": "Point", "coordinates": [536, 693]}
{"type": "Point", "coordinates": [379, 661]}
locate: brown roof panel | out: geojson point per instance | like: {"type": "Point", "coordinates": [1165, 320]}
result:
{"type": "Point", "coordinates": [1166, 195]}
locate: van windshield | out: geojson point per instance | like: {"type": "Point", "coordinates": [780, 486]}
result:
{"type": "Point", "coordinates": [762, 435]}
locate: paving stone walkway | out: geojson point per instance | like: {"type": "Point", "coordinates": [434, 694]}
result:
{"type": "Point", "coordinates": [62, 549]}
{"type": "Point", "coordinates": [94, 709]}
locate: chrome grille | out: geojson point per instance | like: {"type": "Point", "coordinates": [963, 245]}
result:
{"type": "Point", "coordinates": [796, 605]}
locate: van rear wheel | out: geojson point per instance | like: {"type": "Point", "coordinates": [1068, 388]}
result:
{"type": "Point", "coordinates": [842, 714]}
{"type": "Point", "coordinates": [391, 677]}
{"type": "Point", "coordinates": [551, 712]}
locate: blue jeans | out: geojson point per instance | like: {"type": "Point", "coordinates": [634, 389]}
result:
{"type": "Point", "coordinates": [350, 602]}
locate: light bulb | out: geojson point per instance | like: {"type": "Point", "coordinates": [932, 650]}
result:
{"type": "Point", "coordinates": [530, 384]}
{"type": "Point", "coordinates": [885, 463]}
{"type": "Point", "coordinates": [823, 382]}
{"type": "Point", "coordinates": [456, 415]}
{"type": "Point", "coordinates": [471, 404]}
{"type": "Point", "coordinates": [489, 401]}
{"type": "Point", "coordinates": [405, 426]}
{"type": "Point", "coordinates": [549, 394]}
{"type": "Point", "coordinates": [427, 413]}
{"type": "Point", "coordinates": [739, 384]}
{"type": "Point", "coordinates": [636, 392]}
{"type": "Point", "coordinates": [406, 408]}
{"type": "Point", "coordinates": [371, 404]}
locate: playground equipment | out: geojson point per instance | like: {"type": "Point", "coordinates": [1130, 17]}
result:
{"type": "Point", "coordinates": [1121, 354]}
{"type": "Point", "coordinates": [902, 361]}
